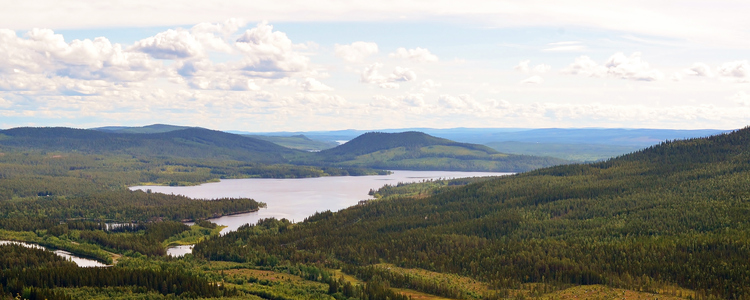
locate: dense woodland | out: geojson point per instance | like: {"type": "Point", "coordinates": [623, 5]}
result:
{"type": "Point", "coordinates": [676, 214]}
{"type": "Point", "coordinates": [668, 218]}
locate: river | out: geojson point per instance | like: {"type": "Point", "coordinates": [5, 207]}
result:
{"type": "Point", "coordinates": [80, 261]}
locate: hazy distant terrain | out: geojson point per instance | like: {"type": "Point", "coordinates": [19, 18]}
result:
{"type": "Point", "coordinates": [578, 144]}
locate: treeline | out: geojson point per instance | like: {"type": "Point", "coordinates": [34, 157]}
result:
{"type": "Point", "coordinates": [673, 214]}
{"type": "Point", "coordinates": [117, 206]}
{"type": "Point", "coordinates": [148, 243]}
{"type": "Point", "coordinates": [33, 273]}
{"type": "Point", "coordinates": [424, 187]}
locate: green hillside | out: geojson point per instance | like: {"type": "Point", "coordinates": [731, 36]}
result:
{"type": "Point", "coordinates": [419, 151]}
{"type": "Point", "coordinates": [672, 216]}
{"type": "Point", "coordinates": [186, 143]}
{"type": "Point", "coordinates": [155, 128]}
{"type": "Point", "coordinates": [299, 142]}
{"type": "Point", "coordinates": [574, 152]}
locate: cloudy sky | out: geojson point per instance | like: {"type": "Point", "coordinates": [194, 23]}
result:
{"type": "Point", "coordinates": [327, 65]}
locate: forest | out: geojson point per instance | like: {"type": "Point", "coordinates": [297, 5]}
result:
{"type": "Point", "coordinates": [671, 216]}
{"type": "Point", "coordinates": [672, 220]}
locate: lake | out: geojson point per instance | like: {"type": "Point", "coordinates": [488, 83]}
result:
{"type": "Point", "coordinates": [295, 199]}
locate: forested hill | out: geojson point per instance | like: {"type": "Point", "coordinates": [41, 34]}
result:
{"type": "Point", "coordinates": [376, 141]}
{"type": "Point", "coordinates": [189, 143]}
{"type": "Point", "coordinates": [419, 151]}
{"type": "Point", "coordinates": [672, 215]}
{"type": "Point", "coordinates": [155, 128]}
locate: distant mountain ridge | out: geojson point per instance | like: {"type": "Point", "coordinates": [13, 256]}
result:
{"type": "Point", "coordinates": [419, 151]}
{"type": "Point", "coordinates": [154, 128]}
{"type": "Point", "coordinates": [406, 151]}
{"type": "Point", "coordinates": [375, 141]}
{"type": "Point", "coordinates": [188, 142]}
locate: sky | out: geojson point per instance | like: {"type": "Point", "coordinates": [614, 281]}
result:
{"type": "Point", "coordinates": [265, 66]}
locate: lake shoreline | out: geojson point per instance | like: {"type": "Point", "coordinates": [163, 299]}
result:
{"type": "Point", "coordinates": [298, 198]}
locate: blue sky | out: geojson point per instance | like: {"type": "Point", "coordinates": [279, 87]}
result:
{"type": "Point", "coordinates": [327, 65]}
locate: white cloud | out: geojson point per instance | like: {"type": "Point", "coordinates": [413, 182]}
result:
{"type": "Point", "coordinates": [429, 85]}
{"type": "Point", "coordinates": [218, 82]}
{"type": "Point", "coordinates": [5, 103]}
{"type": "Point", "coordinates": [402, 74]}
{"type": "Point", "coordinates": [463, 101]}
{"type": "Point", "coordinates": [312, 85]}
{"type": "Point", "coordinates": [267, 51]}
{"type": "Point", "coordinates": [741, 98]}
{"type": "Point", "coordinates": [536, 79]}
{"type": "Point", "coordinates": [418, 55]}
{"type": "Point", "coordinates": [170, 44]}
{"type": "Point", "coordinates": [617, 66]}
{"type": "Point", "coordinates": [523, 67]}
{"type": "Point", "coordinates": [542, 68]}
{"type": "Point", "coordinates": [356, 52]}
{"type": "Point", "coordinates": [321, 99]}
{"type": "Point", "coordinates": [700, 69]}
{"type": "Point", "coordinates": [569, 46]}
{"type": "Point", "coordinates": [371, 75]}
{"type": "Point", "coordinates": [407, 100]}
{"type": "Point", "coordinates": [738, 71]}
{"type": "Point", "coordinates": [45, 53]}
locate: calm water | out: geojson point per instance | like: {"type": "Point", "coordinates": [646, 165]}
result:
{"type": "Point", "coordinates": [181, 250]}
{"type": "Point", "coordinates": [80, 261]}
{"type": "Point", "coordinates": [296, 199]}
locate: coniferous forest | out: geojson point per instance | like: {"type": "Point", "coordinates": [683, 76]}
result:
{"type": "Point", "coordinates": [672, 220]}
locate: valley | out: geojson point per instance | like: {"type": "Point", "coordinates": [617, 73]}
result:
{"type": "Point", "coordinates": [667, 221]}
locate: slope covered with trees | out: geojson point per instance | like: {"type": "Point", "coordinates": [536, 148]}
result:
{"type": "Point", "coordinates": [186, 143]}
{"type": "Point", "coordinates": [675, 214]}
{"type": "Point", "coordinates": [418, 151]}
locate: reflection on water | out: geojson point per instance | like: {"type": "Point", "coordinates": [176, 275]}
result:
{"type": "Point", "coordinates": [296, 199]}
{"type": "Point", "coordinates": [179, 251]}
{"type": "Point", "coordinates": [80, 261]}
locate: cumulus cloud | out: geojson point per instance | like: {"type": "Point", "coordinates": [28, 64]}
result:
{"type": "Point", "coordinates": [738, 71]}
{"type": "Point", "coordinates": [463, 101]}
{"type": "Point", "coordinates": [356, 52]}
{"type": "Point", "coordinates": [402, 74]}
{"type": "Point", "coordinates": [524, 67]}
{"type": "Point", "coordinates": [5, 103]}
{"type": "Point", "coordinates": [741, 98]}
{"type": "Point", "coordinates": [700, 69]}
{"type": "Point", "coordinates": [371, 75]}
{"type": "Point", "coordinates": [697, 70]}
{"type": "Point", "coordinates": [43, 52]}
{"type": "Point", "coordinates": [536, 79]}
{"type": "Point", "coordinates": [429, 85]}
{"type": "Point", "coordinates": [617, 66]}
{"type": "Point", "coordinates": [268, 51]}
{"type": "Point", "coordinates": [170, 44]}
{"type": "Point", "coordinates": [418, 55]}
{"type": "Point", "coordinates": [312, 85]}
{"type": "Point", "coordinates": [389, 85]}
{"type": "Point", "coordinates": [234, 83]}
{"type": "Point", "coordinates": [413, 100]}
{"type": "Point", "coordinates": [320, 99]}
